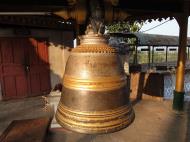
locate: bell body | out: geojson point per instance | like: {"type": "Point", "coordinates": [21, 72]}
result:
{"type": "Point", "coordinates": [94, 97]}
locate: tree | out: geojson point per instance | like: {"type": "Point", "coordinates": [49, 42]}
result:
{"type": "Point", "coordinates": [120, 27]}
{"type": "Point", "coordinates": [124, 27]}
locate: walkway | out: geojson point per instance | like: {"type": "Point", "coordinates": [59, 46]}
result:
{"type": "Point", "coordinates": [155, 122]}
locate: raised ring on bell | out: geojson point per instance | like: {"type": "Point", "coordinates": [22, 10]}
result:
{"type": "Point", "coordinates": [95, 122]}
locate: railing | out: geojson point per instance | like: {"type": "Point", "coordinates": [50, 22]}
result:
{"type": "Point", "coordinates": [154, 56]}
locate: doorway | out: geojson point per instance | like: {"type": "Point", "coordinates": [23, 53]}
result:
{"type": "Point", "coordinates": [24, 67]}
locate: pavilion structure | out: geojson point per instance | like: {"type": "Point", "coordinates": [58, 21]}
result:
{"type": "Point", "coordinates": [148, 10]}
{"type": "Point", "coordinates": [114, 10]}
{"type": "Point", "coordinates": [179, 9]}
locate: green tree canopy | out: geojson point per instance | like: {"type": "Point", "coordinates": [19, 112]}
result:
{"type": "Point", "coordinates": [124, 27]}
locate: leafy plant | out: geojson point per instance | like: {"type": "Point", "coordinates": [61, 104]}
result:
{"type": "Point", "coordinates": [121, 27]}
{"type": "Point", "coordinates": [124, 27]}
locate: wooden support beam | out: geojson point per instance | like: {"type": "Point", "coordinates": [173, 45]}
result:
{"type": "Point", "coordinates": [166, 55]}
{"type": "Point", "coordinates": [188, 52]}
{"type": "Point", "coordinates": [38, 21]}
{"type": "Point", "coordinates": [180, 73]}
{"type": "Point", "coordinates": [149, 50]}
{"type": "Point", "coordinates": [152, 56]}
{"type": "Point", "coordinates": [77, 33]}
{"type": "Point", "coordinates": [136, 56]}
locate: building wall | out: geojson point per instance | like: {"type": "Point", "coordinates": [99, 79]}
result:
{"type": "Point", "coordinates": [59, 46]}
{"type": "Point", "coordinates": [60, 43]}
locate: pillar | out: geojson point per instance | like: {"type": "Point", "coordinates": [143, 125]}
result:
{"type": "Point", "coordinates": [152, 56]}
{"type": "Point", "coordinates": [166, 56]}
{"type": "Point", "coordinates": [178, 100]}
{"type": "Point", "coordinates": [149, 50]}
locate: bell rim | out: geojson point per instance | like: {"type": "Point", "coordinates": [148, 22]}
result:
{"type": "Point", "coordinates": [121, 122]}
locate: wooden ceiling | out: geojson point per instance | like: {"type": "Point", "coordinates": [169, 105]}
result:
{"type": "Point", "coordinates": [152, 5]}
{"type": "Point", "coordinates": [131, 5]}
{"type": "Point", "coordinates": [137, 9]}
{"type": "Point", "coordinates": [32, 5]}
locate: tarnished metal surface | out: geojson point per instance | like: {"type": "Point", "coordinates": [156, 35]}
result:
{"type": "Point", "coordinates": [95, 97]}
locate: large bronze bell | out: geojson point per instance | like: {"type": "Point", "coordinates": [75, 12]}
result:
{"type": "Point", "coordinates": [94, 97]}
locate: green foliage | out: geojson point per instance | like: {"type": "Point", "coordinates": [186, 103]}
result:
{"type": "Point", "coordinates": [124, 27]}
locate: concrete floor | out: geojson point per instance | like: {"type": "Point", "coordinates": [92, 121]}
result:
{"type": "Point", "coordinates": [21, 109]}
{"type": "Point", "coordinates": [155, 122]}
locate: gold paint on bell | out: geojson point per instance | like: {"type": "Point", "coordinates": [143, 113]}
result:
{"type": "Point", "coordinates": [94, 98]}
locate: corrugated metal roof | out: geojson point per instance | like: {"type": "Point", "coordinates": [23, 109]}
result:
{"type": "Point", "coordinates": [152, 39]}
{"type": "Point", "coordinates": [158, 40]}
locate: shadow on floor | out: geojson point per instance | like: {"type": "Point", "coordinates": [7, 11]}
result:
{"type": "Point", "coordinates": [64, 135]}
{"type": "Point", "coordinates": [187, 139]}
{"type": "Point", "coordinates": [155, 122]}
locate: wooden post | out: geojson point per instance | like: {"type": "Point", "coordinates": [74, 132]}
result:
{"type": "Point", "coordinates": [77, 33]}
{"type": "Point", "coordinates": [149, 56]}
{"type": "Point", "coordinates": [136, 55]}
{"type": "Point", "coordinates": [167, 55]}
{"type": "Point", "coordinates": [178, 100]}
{"type": "Point", "coordinates": [152, 56]}
{"type": "Point", "coordinates": [188, 52]}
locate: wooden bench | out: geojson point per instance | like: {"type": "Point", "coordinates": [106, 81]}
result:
{"type": "Point", "coordinates": [29, 130]}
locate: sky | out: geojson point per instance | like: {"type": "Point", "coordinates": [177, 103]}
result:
{"type": "Point", "coordinates": [168, 28]}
